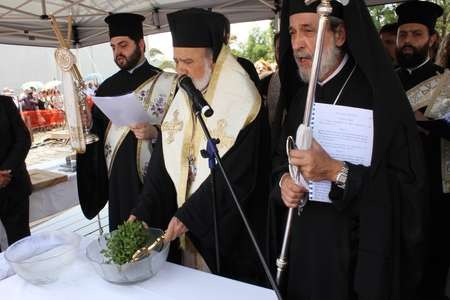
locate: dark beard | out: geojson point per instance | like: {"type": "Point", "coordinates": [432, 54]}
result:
{"type": "Point", "coordinates": [131, 61]}
{"type": "Point", "coordinates": [412, 60]}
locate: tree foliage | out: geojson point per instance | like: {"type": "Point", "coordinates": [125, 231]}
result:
{"type": "Point", "coordinates": [259, 45]}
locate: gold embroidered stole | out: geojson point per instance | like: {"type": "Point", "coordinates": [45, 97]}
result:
{"type": "Point", "coordinates": [155, 94]}
{"type": "Point", "coordinates": [236, 103]}
{"type": "Point", "coordinates": [427, 91]}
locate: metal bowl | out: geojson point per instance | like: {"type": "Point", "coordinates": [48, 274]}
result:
{"type": "Point", "coordinates": [42, 257]}
{"type": "Point", "coordinates": [129, 272]}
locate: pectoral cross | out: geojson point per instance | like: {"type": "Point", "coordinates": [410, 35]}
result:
{"type": "Point", "coordinates": [172, 127]}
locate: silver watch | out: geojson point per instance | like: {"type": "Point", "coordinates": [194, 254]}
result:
{"type": "Point", "coordinates": [341, 177]}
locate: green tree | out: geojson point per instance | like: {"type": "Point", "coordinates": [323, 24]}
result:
{"type": "Point", "coordinates": [259, 45]}
{"type": "Point", "coordinates": [383, 14]}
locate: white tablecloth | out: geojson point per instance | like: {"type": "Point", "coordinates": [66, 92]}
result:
{"type": "Point", "coordinates": [79, 281]}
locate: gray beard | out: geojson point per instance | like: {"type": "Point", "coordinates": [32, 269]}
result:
{"type": "Point", "coordinates": [202, 83]}
{"type": "Point", "coordinates": [330, 59]}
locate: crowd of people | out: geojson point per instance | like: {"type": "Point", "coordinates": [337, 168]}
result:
{"type": "Point", "coordinates": [370, 220]}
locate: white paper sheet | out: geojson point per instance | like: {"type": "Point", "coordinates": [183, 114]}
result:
{"type": "Point", "coordinates": [346, 133]}
{"type": "Point", "coordinates": [123, 110]}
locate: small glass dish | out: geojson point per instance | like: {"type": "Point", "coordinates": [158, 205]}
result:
{"type": "Point", "coordinates": [42, 257]}
{"type": "Point", "coordinates": [129, 272]}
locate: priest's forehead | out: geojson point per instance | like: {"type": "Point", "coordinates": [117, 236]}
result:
{"type": "Point", "coordinates": [187, 54]}
{"type": "Point", "coordinates": [310, 20]}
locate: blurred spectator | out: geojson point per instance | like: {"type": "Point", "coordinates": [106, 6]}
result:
{"type": "Point", "coordinates": [434, 48]}
{"type": "Point", "coordinates": [388, 36]}
{"type": "Point", "coordinates": [28, 102]}
{"type": "Point", "coordinates": [443, 55]}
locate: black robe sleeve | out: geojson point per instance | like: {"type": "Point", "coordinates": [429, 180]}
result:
{"type": "Point", "coordinates": [22, 141]}
{"type": "Point", "coordinates": [92, 174]}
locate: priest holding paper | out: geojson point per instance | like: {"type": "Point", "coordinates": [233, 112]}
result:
{"type": "Point", "coordinates": [177, 193]}
{"type": "Point", "coordinates": [360, 234]}
{"type": "Point", "coordinates": [113, 168]}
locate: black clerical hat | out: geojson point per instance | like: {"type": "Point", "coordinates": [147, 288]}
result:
{"type": "Point", "coordinates": [197, 28]}
{"type": "Point", "coordinates": [299, 6]}
{"type": "Point", "coordinates": [422, 12]}
{"type": "Point", "coordinates": [125, 24]}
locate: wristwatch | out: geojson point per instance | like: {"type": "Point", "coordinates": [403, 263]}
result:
{"type": "Point", "coordinates": [341, 177]}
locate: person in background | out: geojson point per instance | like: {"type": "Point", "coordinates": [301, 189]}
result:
{"type": "Point", "coordinates": [416, 37]}
{"type": "Point", "coordinates": [443, 55]}
{"type": "Point", "coordinates": [388, 36]}
{"type": "Point", "coordinates": [15, 184]}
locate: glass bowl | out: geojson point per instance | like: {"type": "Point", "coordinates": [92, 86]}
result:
{"type": "Point", "coordinates": [129, 272]}
{"type": "Point", "coordinates": [40, 258]}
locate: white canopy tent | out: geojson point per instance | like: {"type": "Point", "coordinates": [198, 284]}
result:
{"type": "Point", "coordinates": [25, 22]}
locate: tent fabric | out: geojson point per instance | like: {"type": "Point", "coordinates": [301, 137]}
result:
{"type": "Point", "coordinates": [25, 22]}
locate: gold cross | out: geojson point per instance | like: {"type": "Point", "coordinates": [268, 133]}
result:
{"type": "Point", "coordinates": [226, 141]}
{"type": "Point", "coordinates": [171, 128]}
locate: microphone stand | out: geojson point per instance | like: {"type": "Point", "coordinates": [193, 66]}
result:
{"type": "Point", "coordinates": [213, 159]}
{"type": "Point", "coordinates": [209, 154]}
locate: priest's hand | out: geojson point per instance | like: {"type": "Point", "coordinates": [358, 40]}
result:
{"type": "Point", "coordinates": [291, 193]}
{"type": "Point", "coordinates": [5, 178]}
{"type": "Point", "coordinates": [420, 116]}
{"type": "Point", "coordinates": [133, 218]}
{"type": "Point", "coordinates": [175, 229]}
{"type": "Point", "coordinates": [144, 131]}
{"type": "Point", "coordinates": [315, 163]}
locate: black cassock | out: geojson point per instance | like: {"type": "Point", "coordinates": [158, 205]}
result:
{"type": "Point", "coordinates": [123, 186]}
{"type": "Point", "coordinates": [247, 164]}
{"type": "Point", "coordinates": [353, 244]}
{"type": "Point", "coordinates": [438, 246]}
{"type": "Point", "coordinates": [14, 147]}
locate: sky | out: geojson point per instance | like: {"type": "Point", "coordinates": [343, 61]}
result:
{"type": "Point", "coordinates": [23, 63]}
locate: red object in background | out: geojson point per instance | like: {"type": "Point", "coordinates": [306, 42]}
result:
{"type": "Point", "coordinates": [44, 118]}
{"type": "Point", "coordinates": [89, 102]}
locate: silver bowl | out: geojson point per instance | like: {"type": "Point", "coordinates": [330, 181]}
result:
{"type": "Point", "coordinates": [42, 257]}
{"type": "Point", "coordinates": [129, 272]}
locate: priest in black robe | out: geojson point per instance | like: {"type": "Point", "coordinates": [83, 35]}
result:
{"type": "Point", "coordinates": [177, 194]}
{"type": "Point", "coordinates": [366, 242]}
{"type": "Point", "coordinates": [123, 184]}
{"type": "Point", "coordinates": [416, 36]}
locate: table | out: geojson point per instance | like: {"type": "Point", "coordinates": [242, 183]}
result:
{"type": "Point", "coordinates": [48, 201]}
{"type": "Point", "coordinates": [79, 281]}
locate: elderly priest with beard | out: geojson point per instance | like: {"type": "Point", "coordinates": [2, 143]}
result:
{"type": "Point", "coordinates": [177, 192]}
{"type": "Point", "coordinates": [361, 232]}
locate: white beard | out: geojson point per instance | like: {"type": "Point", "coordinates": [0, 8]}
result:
{"type": "Point", "coordinates": [330, 59]}
{"type": "Point", "coordinates": [203, 82]}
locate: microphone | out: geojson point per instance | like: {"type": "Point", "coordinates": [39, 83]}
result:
{"type": "Point", "coordinates": [198, 102]}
